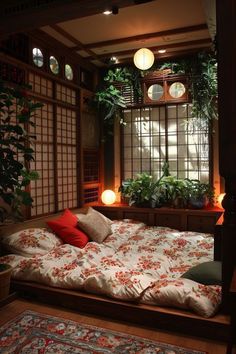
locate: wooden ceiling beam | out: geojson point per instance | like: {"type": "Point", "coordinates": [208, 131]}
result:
{"type": "Point", "coordinates": [68, 36]}
{"type": "Point", "coordinates": [204, 41]}
{"type": "Point", "coordinates": [145, 36]}
{"type": "Point", "coordinates": [24, 15]}
{"type": "Point", "coordinates": [162, 57]}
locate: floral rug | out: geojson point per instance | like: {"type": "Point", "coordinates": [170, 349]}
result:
{"type": "Point", "coordinates": [37, 333]}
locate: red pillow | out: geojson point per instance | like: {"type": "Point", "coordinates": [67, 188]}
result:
{"type": "Point", "coordinates": [67, 219]}
{"type": "Point", "coordinates": [65, 227]}
{"type": "Point", "coordinates": [73, 236]}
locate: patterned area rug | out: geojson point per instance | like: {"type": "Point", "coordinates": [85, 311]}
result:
{"type": "Point", "coordinates": [36, 333]}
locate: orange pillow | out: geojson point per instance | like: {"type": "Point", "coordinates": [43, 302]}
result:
{"type": "Point", "coordinates": [73, 236]}
{"type": "Point", "coordinates": [67, 219]}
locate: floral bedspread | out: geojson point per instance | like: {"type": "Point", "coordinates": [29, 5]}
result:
{"type": "Point", "coordinates": [135, 263]}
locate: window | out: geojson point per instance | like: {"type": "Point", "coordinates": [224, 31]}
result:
{"type": "Point", "coordinates": [177, 89]}
{"type": "Point", "coordinates": [54, 65]}
{"type": "Point", "coordinates": [153, 135]}
{"type": "Point", "coordinates": [37, 57]}
{"type": "Point", "coordinates": [68, 72]}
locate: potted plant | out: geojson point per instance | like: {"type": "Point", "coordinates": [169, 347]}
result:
{"type": "Point", "coordinates": [16, 151]}
{"type": "Point", "coordinates": [5, 275]}
{"type": "Point", "coordinates": [176, 191]}
{"type": "Point", "coordinates": [200, 194]}
{"type": "Point", "coordinates": [142, 191]}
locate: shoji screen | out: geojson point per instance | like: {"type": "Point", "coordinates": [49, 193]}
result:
{"type": "Point", "coordinates": [43, 189]}
{"type": "Point", "coordinates": [153, 135]}
{"type": "Point", "coordinates": [66, 158]}
{"type": "Point", "coordinates": [55, 147]}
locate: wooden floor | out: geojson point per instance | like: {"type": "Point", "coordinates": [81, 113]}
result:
{"type": "Point", "coordinates": [9, 311]}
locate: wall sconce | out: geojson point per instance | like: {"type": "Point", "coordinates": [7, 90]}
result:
{"type": "Point", "coordinates": [144, 59]}
{"type": "Point", "coordinates": [108, 197]}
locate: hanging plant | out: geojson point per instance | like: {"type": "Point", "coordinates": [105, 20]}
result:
{"type": "Point", "coordinates": [203, 89]}
{"type": "Point", "coordinates": [201, 70]}
{"type": "Point", "coordinates": [110, 98]}
{"type": "Point", "coordinates": [111, 101]}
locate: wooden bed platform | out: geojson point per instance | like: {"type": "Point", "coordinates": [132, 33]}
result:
{"type": "Point", "coordinates": [217, 327]}
{"type": "Point", "coordinates": [169, 319]}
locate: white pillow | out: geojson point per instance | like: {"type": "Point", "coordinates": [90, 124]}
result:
{"type": "Point", "coordinates": [31, 242]}
{"type": "Point", "coordinates": [185, 294]}
{"type": "Point", "coordinates": [94, 224]}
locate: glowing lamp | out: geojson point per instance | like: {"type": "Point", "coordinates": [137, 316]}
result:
{"type": "Point", "coordinates": [220, 198]}
{"type": "Point", "coordinates": [143, 58]}
{"type": "Point", "coordinates": [108, 197]}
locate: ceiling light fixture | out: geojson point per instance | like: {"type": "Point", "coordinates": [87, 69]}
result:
{"type": "Point", "coordinates": [144, 59]}
{"type": "Point", "coordinates": [114, 11]}
{"type": "Point", "coordinates": [161, 51]}
{"type": "Point", "coordinates": [114, 60]}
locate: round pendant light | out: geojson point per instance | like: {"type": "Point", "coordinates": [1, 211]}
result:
{"type": "Point", "coordinates": [143, 59]}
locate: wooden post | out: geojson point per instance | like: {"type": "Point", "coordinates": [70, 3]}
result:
{"type": "Point", "coordinates": [226, 51]}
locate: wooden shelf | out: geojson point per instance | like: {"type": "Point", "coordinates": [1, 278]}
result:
{"type": "Point", "coordinates": [201, 220]}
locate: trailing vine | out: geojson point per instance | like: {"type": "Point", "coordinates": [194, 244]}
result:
{"type": "Point", "coordinates": [110, 98]}
{"type": "Point", "coordinates": [201, 70]}
{"type": "Point", "coordinates": [202, 73]}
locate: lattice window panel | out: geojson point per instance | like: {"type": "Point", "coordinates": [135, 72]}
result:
{"type": "Point", "coordinates": [66, 158]}
{"type": "Point", "coordinates": [65, 94]}
{"type": "Point", "coordinates": [66, 126]}
{"type": "Point", "coordinates": [153, 135]}
{"type": "Point", "coordinates": [43, 189]}
{"type": "Point", "coordinates": [40, 85]}
{"type": "Point", "coordinates": [91, 166]}
{"type": "Point", "coordinates": [128, 94]}
{"type": "Point", "coordinates": [91, 195]}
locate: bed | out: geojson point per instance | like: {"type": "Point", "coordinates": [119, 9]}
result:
{"type": "Point", "coordinates": [134, 267]}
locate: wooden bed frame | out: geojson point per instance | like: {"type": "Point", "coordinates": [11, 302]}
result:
{"type": "Point", "coordinates": [217, 327]}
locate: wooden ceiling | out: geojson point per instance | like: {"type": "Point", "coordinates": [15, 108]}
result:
{"type": "Point", "coordinates": [180, 27]}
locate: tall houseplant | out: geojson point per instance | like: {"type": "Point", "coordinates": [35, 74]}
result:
{"type": "Point", "coordinates": [16, 150]}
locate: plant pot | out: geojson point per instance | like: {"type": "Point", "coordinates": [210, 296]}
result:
{"type": "Point", "coordinates": [5, 276]}
{"type": "Point", "coordinates": [198, 203]}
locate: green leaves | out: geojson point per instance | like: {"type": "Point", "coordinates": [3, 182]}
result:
{"type": "Point", "coordinates": [202, 72]}
{"type": "Point", "coordinates": [110, 97]}
{"type": "Point", "coordinates": [16, 111]}
{"type": "Point", "coordinates": [166, 191]}
{"type": "Point", "coordinates": [111, 100]}
{"type": "Point", "coordinates": [118, 75]}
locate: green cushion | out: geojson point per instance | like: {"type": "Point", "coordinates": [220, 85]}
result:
{"type": "Point", "coordinates": [207, 273]}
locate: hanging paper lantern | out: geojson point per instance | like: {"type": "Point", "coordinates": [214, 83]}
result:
{"type": "Point", "coordinates": [144, 58]}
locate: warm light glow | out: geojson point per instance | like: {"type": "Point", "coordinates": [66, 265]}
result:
{"type": "Point", "coordinates": [114, 60]}
{"type": "Point", "coordinates": [107, 12]}
{"type": "Point", "coordinates": [108, 197]}
{"type": "Point", "coordinates": [161, 51]}
{"type": "Point", "coordinates": [220, 198]}
{"type": "Point", "coordinates": [143, 59]}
